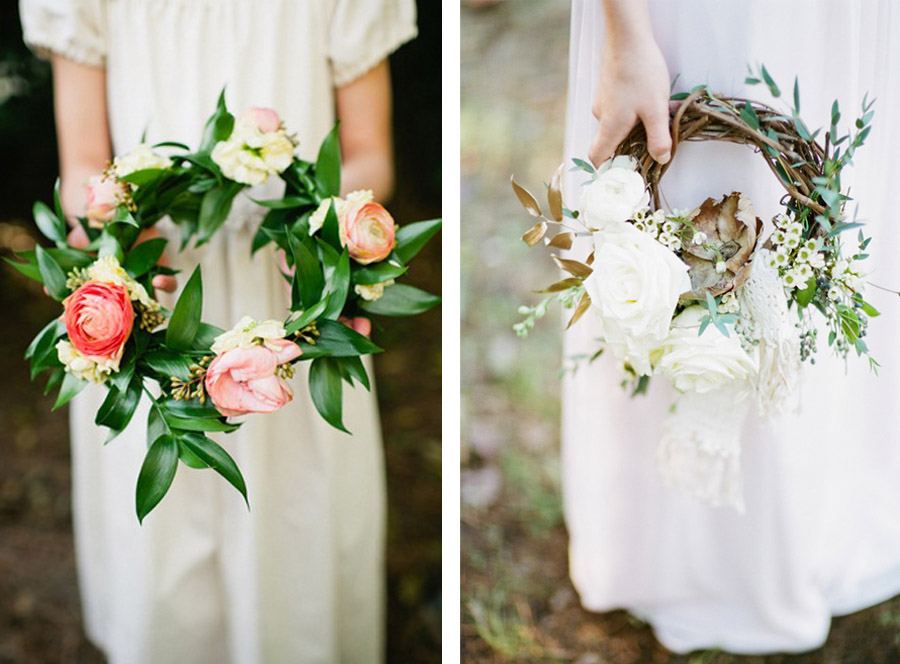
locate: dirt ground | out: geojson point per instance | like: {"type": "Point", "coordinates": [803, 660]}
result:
{"type": "Point", "coordinates": [518, 604]}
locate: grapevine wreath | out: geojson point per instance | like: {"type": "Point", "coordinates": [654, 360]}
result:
{"type": "Point", "coordinates": [344, 257]}
{"type": "Point", "coordinates": [698, 296]}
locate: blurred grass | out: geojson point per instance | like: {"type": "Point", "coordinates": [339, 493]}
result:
{"type": "Point", "coordinates": [518, 604]}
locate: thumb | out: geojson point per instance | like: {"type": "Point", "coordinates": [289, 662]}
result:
{"type": "Point", "coordinates": [659, 140]}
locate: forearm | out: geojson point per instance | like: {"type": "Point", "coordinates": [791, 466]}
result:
{"type": "Point", "coordinates": [364, 111]}
{"type": "Point", "coordinates": [626, 21]}
{"type": "Point", "coordinates": [82, 130]}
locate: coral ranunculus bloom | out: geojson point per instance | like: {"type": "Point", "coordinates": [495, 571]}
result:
{"type": "Point", "coordinates": [367, 230]}
{"type": "Point", "coordinates": [99, 318]}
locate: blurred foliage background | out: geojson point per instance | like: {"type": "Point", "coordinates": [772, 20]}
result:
{"type": "Point", "coordinates": [39, 611]}
{"type": "Point", "coordinates": [518, 603]}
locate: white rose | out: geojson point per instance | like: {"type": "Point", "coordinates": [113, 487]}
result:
{"type": "Point", "coordinates": [246, 333]}
{"type": "Point", "coordinates": [634, 289]}
{"type": "Point", "coordinates": [702, 363]}
{"type": "Point", "coordinates": [96, 370]}
{"type": "Point", "coordinates": [250, 156]}
{"type": "Point", "coordinates": [615, 195]}
{"type": "Point", "coordinates": [141, 158]}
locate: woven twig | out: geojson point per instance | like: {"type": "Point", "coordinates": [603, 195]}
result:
{"type": "Point", "coordinates": [795, 161]}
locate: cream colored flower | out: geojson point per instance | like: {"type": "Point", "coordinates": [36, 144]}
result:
{"type": "Point", "coordinates": [705, 362]}
{"type": "Point", "coordinates": [317, 218]}
{"type": "Point", "coordinates": [372, 292]}
{"type": "Point", "coordinates": [250, 156]}
{"type": "Point", "coordinates": [85, 368]}
{"type": "Point", "coordinates": [616, 193]}
{"type": "Point", "coordinates": [107, 268]}
{"type": "Point", "coordinates": [634, 290]}
{"type": "Point", "coordinates": [248, 332]}
{"type": "Point", "coordinates": [141, 158]}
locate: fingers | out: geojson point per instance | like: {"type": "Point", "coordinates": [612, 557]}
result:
{"type": "Point", "coordinates": [165, 282]}
{"type": "Point", "coordinates": [612, 131]}
{"type": "Point", "coordinates": [659, 140]}
{"type": "Point", "coordinates": [77, 238]}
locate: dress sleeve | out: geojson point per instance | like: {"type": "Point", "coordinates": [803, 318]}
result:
{"type": "Point", "coordinates": [362, 34]}
{"type": "Point", "coordinates": [74, 29]}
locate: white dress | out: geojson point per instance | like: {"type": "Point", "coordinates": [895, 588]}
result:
{"type": "Point", "coordinates": [821, 533]}
{"type": "Point", "coordinates": [298, 578]}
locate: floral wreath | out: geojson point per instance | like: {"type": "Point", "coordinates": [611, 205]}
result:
{"type": "Point", "coordinates": [657, 280]}
{"type": "Point", "coordinates": [343, 256]}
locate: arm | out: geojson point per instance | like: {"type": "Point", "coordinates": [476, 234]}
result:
{"type": "Point", "coordinates": [633, 83]}
{"type": "Point", "coordinates": [364, 110]}
{"type": "Point", "coordinates": [85, 148]}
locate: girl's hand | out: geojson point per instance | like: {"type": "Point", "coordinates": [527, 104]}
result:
{"type": "Point", "coordinates": [633, 86]}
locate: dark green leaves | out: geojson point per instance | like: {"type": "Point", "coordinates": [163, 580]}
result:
{"type": "Point", "coordinates": [214, 209]}
{"type": "Point", "coordinates": [214, 456]}
{"type": "Point", "coordinates": [401, 300]}
{"type": "Point", "coordinates": [157, 473]}
{"type": "Point", "coordinates": [412, 237]}
{"type": "Point", "coordinates": [328, 165]}
{"type": "Point", "coordinates": [52, 226]}
{"type": "Point", "coordinates": [52, 274]}
{"type": "Point", "coordinates": [309, 280]}
{"type": "Point", "coordinates": [338, 340]}
{"type": "Point", "coordinates": [307, 316]}
{"type": "Point", "coordinates": [144, 256]}
{"type": "Point", "coordinates": [185, 321]}
{"type": "Point", "coordinates": [168, 363]}
{"type": "Point", "coordinates": [69, 388]}
{"type": "Point", "coordinates": [218, 127]}
{"type": "Point", "coordinates": [118, 408]}
{"type": "Point", "coordinates": [326, 390]}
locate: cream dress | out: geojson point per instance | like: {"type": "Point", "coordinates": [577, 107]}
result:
{"type": "Point", "coordinates": [821, 532]}
{"type": "Point", "coordinates": [299, 577]}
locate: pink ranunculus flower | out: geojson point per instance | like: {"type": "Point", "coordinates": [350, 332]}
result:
{"type": "Point", "coordinates": [244, 380]}
{"type": "Point", "coordinates": [104, 194]}
{"type": "Point", "coordinates": [367, 230]}
{"type": "Point", "coordinates": [265, 119]}
{"type": "Point", "coordinates": [99, 318]}
{"type": "Point", "coordinates": [359, 324]}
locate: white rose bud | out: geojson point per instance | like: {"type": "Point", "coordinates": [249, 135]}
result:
{"type": "Point", "coordinates": [615, 195]}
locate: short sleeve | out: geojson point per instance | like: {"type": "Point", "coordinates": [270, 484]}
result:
{"type": "Point", "coordinates": [362, 34]}
{"type": "Point", "coordinates": [74, 29]}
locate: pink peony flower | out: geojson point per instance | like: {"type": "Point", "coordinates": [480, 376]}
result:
{"type": "Point", "coordinates": [98, 318]}
{"type": "Point", "coordinates": [264, 119]}
{"type": "Point", "coordinates": [244, 380]}
{"type": "Point", "coordinates": [104, 194]}
{"type": "Point", "coordinates": [367, 230]}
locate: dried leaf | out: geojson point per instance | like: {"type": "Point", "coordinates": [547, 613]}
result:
{"type": "Point", "coordinates": [562, 240]}
{"type": "Point", "coordinates": [554, 195]}
{"type": "Point", "coordinates": [562, 285]}
{"type": "Point", "coordinates": [573, 267]}
{"type": "Point", "coordinates": [526, 199]}
{"type": "Point", "coordinates": [534, 234]}
{"type": "Point", "coordinates": [590, 259]}
{"type": "Point", "coordinates": [583, 304]}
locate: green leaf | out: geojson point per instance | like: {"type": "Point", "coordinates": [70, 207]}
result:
{"type": "Point", "coordinates": [326, 391]}
{"type": "Point", "coordinates": [156, 425]}
{"type": "Point", "coordinates": [401, 300]}
{"type": "Point", "coordinates": [123, 216]}
{"type": "Point", "coordinates": [338, 340]}
{"type": "Point", "coordinates": [52, 274]}
{"type": "Point", "coordinates": [330, 231]}
{"type": "Point", "coordinates": [214, 209]}
{"type": "Point", "coordinates": [215, 456]}
{"type": "Point", "coordinates": [144, 177]}
{"type": "Point", "coordinates": [168, 363]}
{"type": "Point", "coordinates": [355, 369]}
{"type": "Point", "coordinates": [29, 269]}
{"type": "Point", "coordinates": [118, 408]}
{"type": "Point", "coordinates": [198, 423]}
{"type": "Point", "coordinates": [286, 203]}
{"type": "Point", "coordinates": [581, 164]}
{"type": "Point", "coordinates": [185, 321]}
{"type": "Point", "coordinates": [338, 287]}
{"type": "Point", "coordinates": [57, 202]}
{"type": "Point", "coordinates": [309, 280]}
{"type": "Point", "coordinates": [108, 245]}
{"type": "Point", "coordinates": [157, 473]}
{"type": "Point", "coordinates": [307, 316]}
{"type": "Point", "coordinates": [796, 95]}
{"type": "Point", "coordinates": [412, 237]}
{"type": "Point", "coordinates": [144, 256]}
{"type": "Point", "coordinates": [69, 388]}
{"type": "Point", "coordinates": [47, 336]}
{"type": "Point", "coordinates": [377, 273]}
{"type": "Point", "coordinates": [805, 295]}
{"type": "Point", "coordinates": [206, 335]}
{"type": "Point", "coordinates": [51, 226]}
{"type": "Point", "coordinates": [773, 89]}
{"type": "Point", "coordinates": [328, 165]}
{"type": "Point", "coordinates": [189, 409]}
{"type": "Point", "coordinates": [219, 125]}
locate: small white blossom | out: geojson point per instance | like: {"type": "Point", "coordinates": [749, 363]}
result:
{"type": "Point", "coordinates": [793, 241]}
{"type": "Point", "coordinates": [795, 228]}
{"type": "Point", "coordinates": [699, 238]}
{"type": "Point", "coordinates": [246, 333]}
{"type": "Point", "coordinates": [140, 159]}
{"type": "Point", "coordinates": [779, 237]}
{"type": "Point", "coordinates": [720, 267]}
{"type": "Point", "coordinates": [781, 220]}
{"type": "Point", "coordinates": [372, 292]}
